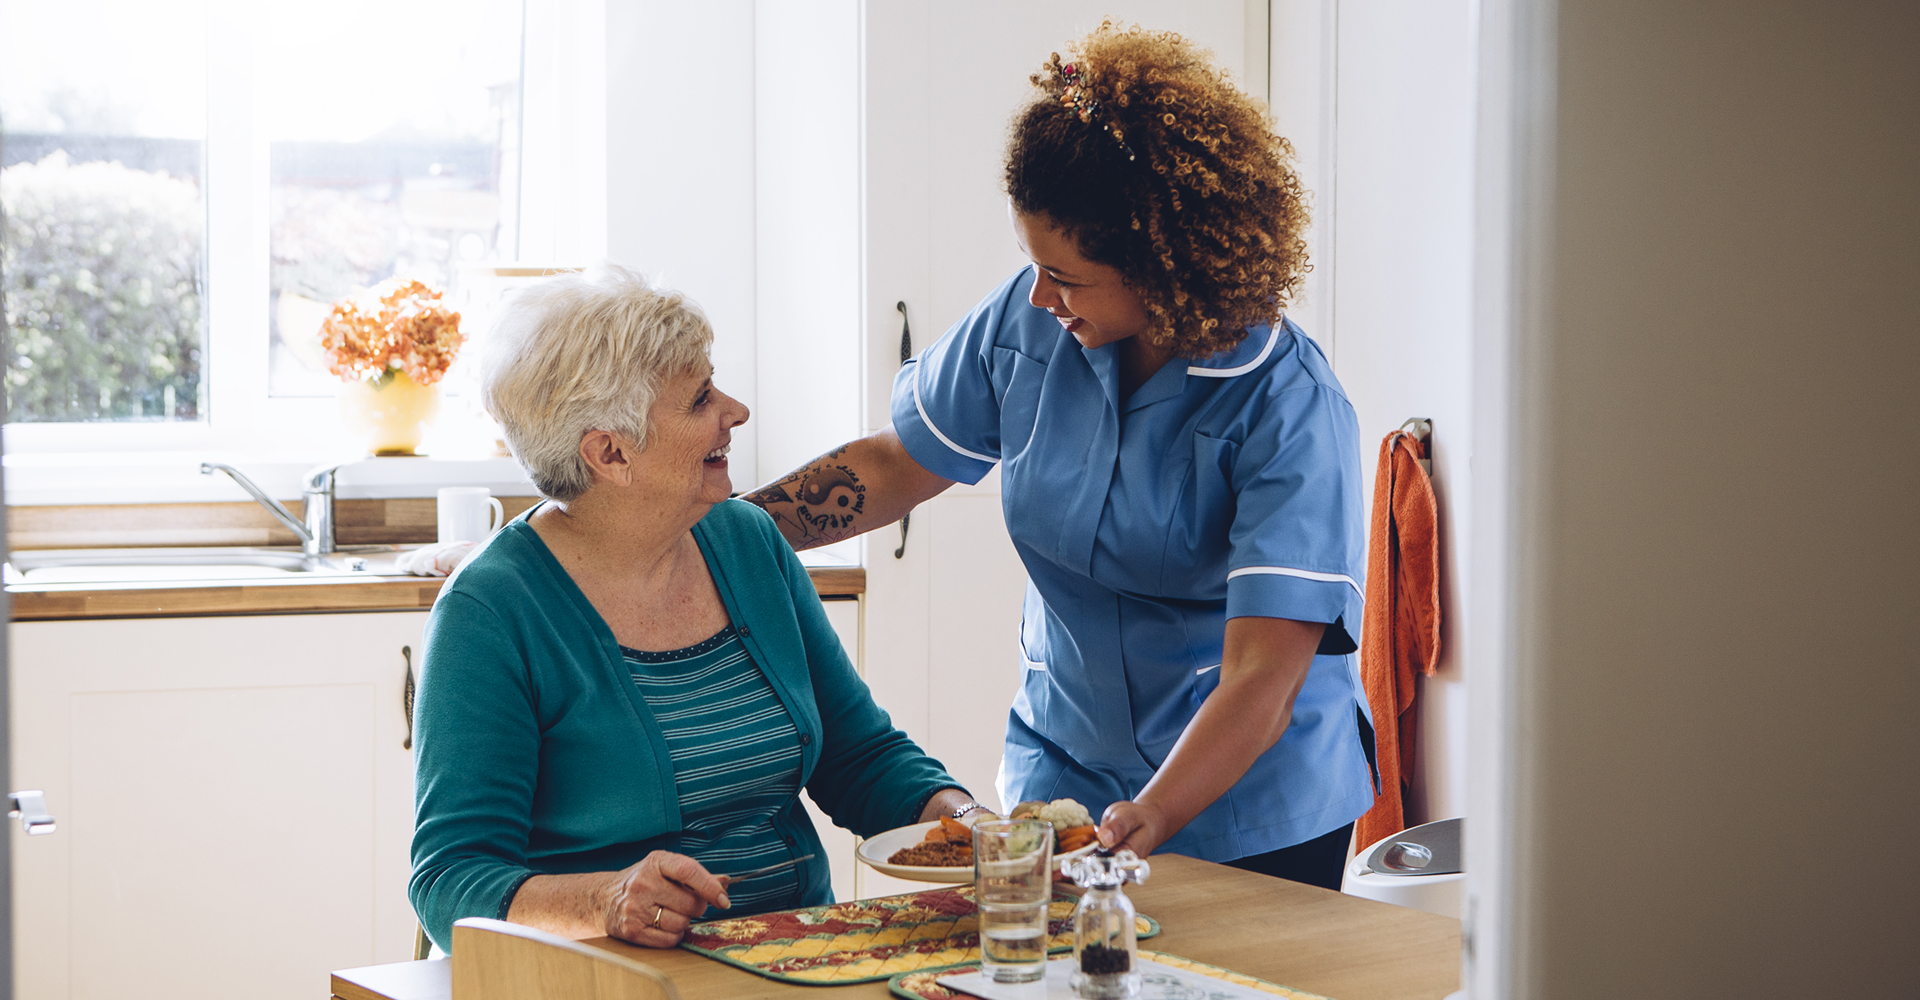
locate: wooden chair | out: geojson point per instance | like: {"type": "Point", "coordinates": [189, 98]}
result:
{"type": "Point", "coordinates": [496, 960]}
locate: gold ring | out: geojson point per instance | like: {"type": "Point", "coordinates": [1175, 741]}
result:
{"type": "Point", "coordinates": [658, 910]}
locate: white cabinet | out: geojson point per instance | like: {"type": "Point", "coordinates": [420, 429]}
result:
{"type": "Point", "coordinates": [844, 616]}
{"type": "Point", "coordinates": [234, 803]}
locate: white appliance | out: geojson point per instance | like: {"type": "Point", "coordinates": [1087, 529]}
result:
{"type": "Point", "coordinates": [1421, 868]}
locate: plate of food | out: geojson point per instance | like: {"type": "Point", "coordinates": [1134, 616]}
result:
{"type": "Point", "coordinates": [942, 850]}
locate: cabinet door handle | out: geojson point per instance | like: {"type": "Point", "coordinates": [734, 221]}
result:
{"type": "Point", "coordinates": [406, 697]}
{"type": "Point", "coordinates": [906, 353]}
{"type": "Point", "coordinates": [30, 807]}
{"type": "Point", "coordinates": [906, 333]}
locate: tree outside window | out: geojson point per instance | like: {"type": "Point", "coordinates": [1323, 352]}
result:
{"type": "Point", "coordinates": [102, 262]}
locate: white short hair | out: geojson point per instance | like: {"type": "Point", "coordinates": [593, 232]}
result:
{"type": "Point", "coordinates": [580, 352]}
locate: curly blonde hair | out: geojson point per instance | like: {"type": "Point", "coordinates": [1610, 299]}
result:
{"type": "Point", "coordinates": [1176, 177]}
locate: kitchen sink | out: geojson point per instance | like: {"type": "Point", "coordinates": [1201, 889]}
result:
{"type": "Point", "coordinates": [186, 564]}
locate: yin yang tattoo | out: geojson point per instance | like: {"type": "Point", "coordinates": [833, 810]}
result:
{"type": "Point", "coordinates": [819, 501]}
{"type": "Point", "coordinates": [830, 497]}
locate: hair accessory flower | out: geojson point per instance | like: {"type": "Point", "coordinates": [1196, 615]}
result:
{"type": "Point", "coordinates": [1079, 96]}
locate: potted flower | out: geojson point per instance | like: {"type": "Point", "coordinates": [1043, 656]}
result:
{"type": "Point", "coordinates": [390, 345]}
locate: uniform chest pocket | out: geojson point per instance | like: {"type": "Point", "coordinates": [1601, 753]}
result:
{"type": "Point", "coordinates": [1017, 380]}
{"type": "Point", "coordinates": [1213, 493]}
{"type": "Point", "coordinates": [1198, 532]}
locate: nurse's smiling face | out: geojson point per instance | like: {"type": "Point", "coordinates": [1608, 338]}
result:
{"type": "Point", "coordinates": [1089, 299]}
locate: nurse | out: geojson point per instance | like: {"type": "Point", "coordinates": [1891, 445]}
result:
{"type": "Point", "coordinates": [1180, 471]}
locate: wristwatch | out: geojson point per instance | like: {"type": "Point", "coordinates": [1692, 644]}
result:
{"type": "Point", "coordinates": [961, 812]}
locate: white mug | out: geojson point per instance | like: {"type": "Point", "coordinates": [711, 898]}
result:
{"type": "Point", "coordinates": [468, 514]}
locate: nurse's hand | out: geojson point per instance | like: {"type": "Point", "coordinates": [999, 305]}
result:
{"type": "Point", "coordinates": [1266, 661]}
{"type": "Point", "coordinates": [1136, 826]}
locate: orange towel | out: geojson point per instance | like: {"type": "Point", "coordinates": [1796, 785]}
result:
{"type": "Point", "coordinates": [1401, 632]}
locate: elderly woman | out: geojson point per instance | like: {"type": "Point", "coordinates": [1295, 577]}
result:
{"type": "Point", "coordinates": [626, 689]}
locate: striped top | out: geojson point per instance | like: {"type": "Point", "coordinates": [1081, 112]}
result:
{"type": "Point", "coordinates": [736, 761]}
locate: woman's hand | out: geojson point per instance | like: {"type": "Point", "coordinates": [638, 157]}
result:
{"type": "Point", "coordinates": [653, 902]}
{"type": "Point", "coordinates": [1136, 826]}
{"type": "Point", "coordinates": [1264, 664]}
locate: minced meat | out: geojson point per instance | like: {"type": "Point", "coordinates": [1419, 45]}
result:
{"type": "Point", "coordinates": [941, 855]}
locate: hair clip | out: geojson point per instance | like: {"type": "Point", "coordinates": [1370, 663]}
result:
{"type": "Point", "coordinates": [1079, 97]}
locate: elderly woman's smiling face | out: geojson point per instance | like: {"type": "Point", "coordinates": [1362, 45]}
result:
{"type": "Point", "coordinates": [692, 430]}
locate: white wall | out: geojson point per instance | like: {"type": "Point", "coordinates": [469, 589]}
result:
{"type": "Point", "coordinates": [807, 219]}
{"type": "Point", "coordinates": [1378, 98]}
{"type": "Point", "coordinates": [734, 175]}
{"type": "Point", "coordinates": [1714, 681]}
{"type": "Point", "coordinates": [1304, 38]}
{"type": "Point", "coordinates": [564, 191]}
{"type": "Point", "coordinates": [680, 155]}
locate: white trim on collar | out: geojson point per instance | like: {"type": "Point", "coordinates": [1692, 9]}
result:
{"type": "Point", "coordinates": [1272, 339]}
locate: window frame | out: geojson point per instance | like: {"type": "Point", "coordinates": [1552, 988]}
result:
{"type": "Point", "coordinates": [239, 415]}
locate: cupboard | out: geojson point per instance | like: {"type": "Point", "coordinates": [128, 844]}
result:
{"type": "Point", "coordinates": [234, 798]}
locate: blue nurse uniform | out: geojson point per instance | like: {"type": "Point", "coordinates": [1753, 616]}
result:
{"type": "Point", "coordinates": [1221, 488]}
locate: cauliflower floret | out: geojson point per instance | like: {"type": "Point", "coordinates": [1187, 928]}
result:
{"type": "Point", "coordinates": [1065, 814]}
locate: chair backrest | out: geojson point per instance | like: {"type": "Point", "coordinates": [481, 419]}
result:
{"type": "Point", "coordinates": [496, 960]}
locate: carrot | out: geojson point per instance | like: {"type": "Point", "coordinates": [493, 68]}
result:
{"type": "Point", "coordinates": [956, 831]}
{"type": "Point", "coordinates": [1074, 838]}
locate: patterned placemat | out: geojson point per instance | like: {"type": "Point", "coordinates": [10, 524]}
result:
{"type": "Point", "coordinates": [921, 985]}
{"type": "Point", "coordinates": [870, 939]}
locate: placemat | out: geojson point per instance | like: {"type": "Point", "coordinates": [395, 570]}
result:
{"type": "Point", "coordinates": [870, 939]}
{"type": "Point", "coordinates": [920, 984]}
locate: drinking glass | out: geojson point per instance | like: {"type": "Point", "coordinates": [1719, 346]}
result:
{"type": "Point", "coordinates": [1012, 869]}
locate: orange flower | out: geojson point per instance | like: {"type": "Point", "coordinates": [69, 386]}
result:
{"type": "Point", "coordinates": [394, 326]}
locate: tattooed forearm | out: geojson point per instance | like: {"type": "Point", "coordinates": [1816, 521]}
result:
{"type": "Point", "coordinates": [861, 485]}
{"type": "Point", "coordinates": [816, 504]}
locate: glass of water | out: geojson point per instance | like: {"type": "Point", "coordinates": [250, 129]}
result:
{"type": "Point", "coordinates": [1012, 880]}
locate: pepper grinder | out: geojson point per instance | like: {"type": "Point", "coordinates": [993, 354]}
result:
{"type": "Point", "coordinates": [1105, 965]}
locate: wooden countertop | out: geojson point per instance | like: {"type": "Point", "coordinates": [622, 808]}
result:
{"type": "Point", "coordinates": [1296, 935]}
{"type": "Point", "coordinates": [297, 595]}
{"type": "Point", "coordinates": [366, 523]}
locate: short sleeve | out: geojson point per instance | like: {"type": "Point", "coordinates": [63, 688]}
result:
{"type": "Point", "coordinates": [945, 408]}
{"type": "Point", "coordinates": [1298, 540]}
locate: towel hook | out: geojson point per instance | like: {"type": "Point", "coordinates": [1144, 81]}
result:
{"type": "Point", "coordinates": [1421, 430]}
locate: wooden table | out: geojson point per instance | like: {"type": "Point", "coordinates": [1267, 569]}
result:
{"type": "Point", "coordinates": [1295, 935]}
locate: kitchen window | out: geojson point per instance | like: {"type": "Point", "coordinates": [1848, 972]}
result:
{"type": "Point", "coordinates": [102, 183]}
{"type": "Point", "coordinates": [189, 184]}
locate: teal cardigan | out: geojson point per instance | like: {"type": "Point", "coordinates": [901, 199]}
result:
{"type": "Point", "coordinates": [535, 753]}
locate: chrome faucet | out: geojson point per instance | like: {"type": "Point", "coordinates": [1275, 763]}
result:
{"type": "Point", "coordinates": [316, 494]}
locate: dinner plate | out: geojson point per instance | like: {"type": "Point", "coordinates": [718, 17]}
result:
{"type": "Point", "coordinates": [875, 850]}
